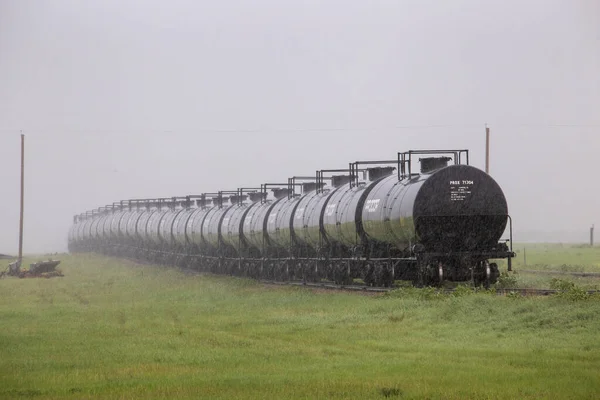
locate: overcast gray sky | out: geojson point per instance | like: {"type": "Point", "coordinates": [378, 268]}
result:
{"type": "Point", "coordinates": [125, 98]}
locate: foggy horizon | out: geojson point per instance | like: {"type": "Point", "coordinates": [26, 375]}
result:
{"type": "Point", "coordinates": [135, 99]}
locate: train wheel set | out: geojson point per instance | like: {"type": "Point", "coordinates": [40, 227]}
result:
{"type": "Point", "coordinates": [376, 221]}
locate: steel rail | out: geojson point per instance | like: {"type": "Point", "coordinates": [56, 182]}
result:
{"type": "Point", "coordinates": [328, 285]}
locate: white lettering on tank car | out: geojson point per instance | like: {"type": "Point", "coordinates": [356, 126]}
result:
{"type": "Point", "coordinates": [299, 213]}
{"type": "Point", "coordinates": [330, 209]}
{"type": "Point", "coordinates": [272, 217]}
{"type": "Point", "coordinates": [371, 205]}
{"type": "Point", "coordinates": [460, 190]}
{"type": "Point", "coordinates": [463, 182]}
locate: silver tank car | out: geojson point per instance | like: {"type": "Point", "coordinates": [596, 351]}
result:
{"type": "Point", "coordinates": [142, 224]}
{"type": "Point", "coordinates": [179, 227]}
{"type": "Point", "coordinates": [194, 224]}
{"type": "Point", "coordinates": [100, 233]}
{"type": "Point", "coordinates": [211, 226]}
{"type": "Point", "coordinates": [279, 222]}
{"type": "Point", "coordinates": [165, 226]}
{"type": "Point", "coordinates": [131, 225]}
{"type": "Point", "coordinates": [305, 222]}
{"type": "Point", "coordinates": [113, 230]}
{"type": "Point", "coordinates": [254, 227]}
{"type": "Point", "coordinates": [83, 231]}
{"type": "Point", "coordinates": [340, 216]}
{"type": "Point", "coordinates": [152, 226]}
{"type": "Point", "coordinates": [231, 225]}
{"type": "Point", "coordinates": [107, 224]}
{"type": "Point", "coordinates": [93, 230]}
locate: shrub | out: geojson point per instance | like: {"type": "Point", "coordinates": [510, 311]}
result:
{"type": "Point", "coordinates": [568, 290]}
{"type": "Point", "coordinates": [462, 290]}
{"type": "Point", "coordinates": [561, 284]}
{"type": "Point", "coordinates": [390, 392]}
{"type": "Point", "coordinates": [507, 281]}
{"type": "Point", "coordinates": [430, 293]}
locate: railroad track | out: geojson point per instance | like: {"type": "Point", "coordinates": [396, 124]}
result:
{"type": "Point", "coordinates": [578, 274]}
{"type": "Point", "coordinates": [329, 286]}
{"type": "Point", "coordinates": [326, 285]}
{"type": "Point", "coordinates": [372, 289]}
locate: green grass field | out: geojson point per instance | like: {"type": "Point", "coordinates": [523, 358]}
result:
{"type": "Point", "coordinates": [558, 257]}
{"type": "Point", "coordinates": [117, 330]}
{"type": "Point", "coordinates": [555, 261]}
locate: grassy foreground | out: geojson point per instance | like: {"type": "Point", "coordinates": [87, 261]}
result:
{"type": "Point", "coordinates": [113, 329]}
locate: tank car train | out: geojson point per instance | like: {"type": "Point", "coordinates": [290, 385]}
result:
{"type": "Point", "coordinates": [376, 221]}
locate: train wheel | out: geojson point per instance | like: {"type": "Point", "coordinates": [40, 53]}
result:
{"type": "Point", "coordinates": [388, 275]}
{"type": "Point", "coordinates": [421, 273]}
{"type": "Point", "coordinates": [342, 276]}
{"type": "Point", "coordinates": [495, 273]}
{"type": "Point", "coordinates": [369, 277]}
{"type": "Point", "coordinates": [488, 275]}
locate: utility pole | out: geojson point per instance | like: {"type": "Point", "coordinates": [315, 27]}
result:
{"type": "Point", "coordinates": [487, 149]}
{"type": "Point", "coordinates": [592, 236]}
{"type": "Point", "coordinates": [22, 197]}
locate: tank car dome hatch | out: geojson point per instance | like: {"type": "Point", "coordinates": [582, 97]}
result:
{"type": "Point", "coordinates": [309, 187]}
{"type": "Point", "coordinates": [219, 201]}
{"type": "Point", "coordinates": [339, 180]}
{"type": "Point", "coordinates": [258, 196]}
{"type": "Point", "coordinates": [187, 203]}
{"type": "Point", "coordinates": [281, 192]}
{"type": "Point", "coordinates": [237, 199]}
{"type": "Point", "coordinates": [376, 173]}
{"type": "Point", "coordinates": [430, 164]}
{"type": "Point", "coordinates": [202, 203]}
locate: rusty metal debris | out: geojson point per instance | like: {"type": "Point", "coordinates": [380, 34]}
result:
{"type": "Point", "coordinates": [41, 269]}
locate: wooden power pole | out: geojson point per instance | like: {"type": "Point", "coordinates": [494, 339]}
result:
{"type": "Point", "coordinates": [487, 149]}
{"type": "Point", "coordinates": [22, 197]}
